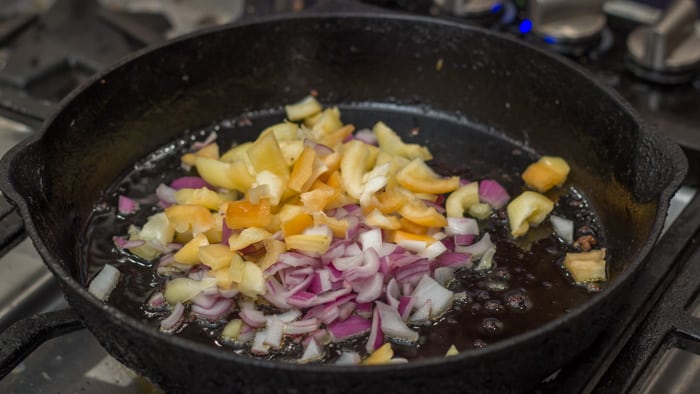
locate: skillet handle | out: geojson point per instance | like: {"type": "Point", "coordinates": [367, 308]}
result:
{"type": "Point", "coordinates": [21, 338]}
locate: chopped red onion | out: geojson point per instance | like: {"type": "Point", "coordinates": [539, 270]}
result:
{"type": "Point", "coordinates": [387, 249]}
{"type": "Point", "coordinates": [413, 272]}
{"type": "Point", "coordinates": [216, 312]}
{"type": "Point", "coordinates": [433, 250]}
{"type": "Point", "coordinates": [226, 233]}
{"type": "Point", "coordinates": [455, 260]}
{"type": "Point", "coordinates": [347, 262]}
{"type": "Point", "coordinates": [288, 316]}
{"type": "Point", "coordinates": [376, 336]}
{"type": "Point", "coordinates": [462, 226]}
{"type": "Point", "coordinates": [328, 315]}
{"type": "Point", "coordinates": [104, 282]}
{"type": "Point", "coordinates": [369, 289]}
{"type": "Point", "coordinates": [170, 322]}
{"type": "Point", "coordinates": [369, 267]}
{"type": "Point", "coordinates": [405, 306]}
{"type": "Point", "coordinates": [189, 182]}
{"type": "Point", "coordinates": [253, 318]}
{"type": "Point", "coordinates": [393, 293]}
{"type": "Point", "coordinates": [295, 259]}
{"type": "Point", "coordinates": [230, 293]}
{"type": "Point", "coordinates": [364, 309]}
{"type": "Point", "coordinates": [345, 310]}
{"type": "Point", "coordinates": [392, 325]}
{"type": "Point", "coordinates": [337, 249]}
{"type": "Point", "coordinates": [412, 245]}
{"type": "Point", "coordinates": [303, 299]}
{"type": "Point", "coordinates": [166, 194]}
{"type": "Point", "coordinates": [353, 326]}
{"type": "Point", "coordinates": [492, 193]}
{"type": "Point", "coordinates": [429, 289]}
{"type": "Point", "coordinates": [204, 301]}
{"type": "Point", "coordinates": [366, 136]}
{"type": "Point", "coordinates": [436, 206]}
{"type": "Point", "coordinates": [123, 243]}
{"type": "Point", "coordinates": [127, 206]}
{"type": "Point", "coordinates": [157, 300]}
{"type": "Point", "coordinates": [478, 249]}
{"type": "Point", "coordinates": [464, 239]}
{"type": "Point", "coordinates": [321, 281]}
{"type": "Point", "coordinates": [321, 150]}
{"type": "Point", "coordinates": [348, 358]}
{"type": "Point", "coordinates": [302, 326]}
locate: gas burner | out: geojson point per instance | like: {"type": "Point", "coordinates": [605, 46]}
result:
{"type": "Point", "coordinates": [668, 51]}
{"type": "Point", "coordinates": [571, 28]}
{"type": "Point", "coordinates": [477, 9]}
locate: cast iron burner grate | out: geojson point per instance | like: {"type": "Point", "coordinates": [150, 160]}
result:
{"type": "Point", "coordinates": [47, 56]}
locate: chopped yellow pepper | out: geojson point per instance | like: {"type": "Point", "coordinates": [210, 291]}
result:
{"type": "Point", "coordinates": [546, 173]}
{"type": "Point", "coordinates": [529, 208]}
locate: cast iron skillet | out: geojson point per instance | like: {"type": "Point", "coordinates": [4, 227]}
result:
{"type": "Point", "coordinates": [376, 65]}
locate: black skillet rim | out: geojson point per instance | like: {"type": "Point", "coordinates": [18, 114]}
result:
{"type": "Point", "coordinates": [679, 163]}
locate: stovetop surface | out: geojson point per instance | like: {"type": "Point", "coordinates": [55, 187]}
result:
{"type": "Point", "coordinates": [658, 334]}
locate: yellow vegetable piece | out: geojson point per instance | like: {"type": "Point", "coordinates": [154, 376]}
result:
{"type": "Point", "coordinates": [409, 226]}
{"type": "Point", "coordinates": [317, 243]}
{"type": "Point", "coordinates": [418, 177]}
{"type": "Point", "coordinates": [237, 153]}
{"type": "Point", "coordinates": [316, 199]}
{"type": "Point", "coordinates": [223, 277]}
{"type": "Point", "coordinates": [273, 249]}
{"type": "Point", "coordinates": [452, 351]}
{"type": "Point", "coordinates": [285, 131]}
{"type": "Point", "coordinates": [380, 356]}
{"type": "Point", "coordinates": [211, 151]}
{"type": "Point", "coordinates": [273, 185]}
{"type": "Point", "coordinates": [236, 268]}
{"type": "Point", "coordinates": [203, 196]}
{"type": "Point", "coordinates": [183, 289]}
{"type": "Point", "coordinates": [339, 227]}
{"type": "Point", "coordinates": [419, 213]}
{"type": "Point", "coordinates": [297, 224]}
{"type": "Point", "coordinates": [253, 282]}
{"type": "Point", "coordinates": [326, 124]}
{"type": "Point", "coordinates": [480, 211]}
{"type": "Point", "coordinates": [194, 218]}
{"type": "Point", "coordinates": [399, 235]}
{"type": "Point", "coordinates": [529, 208]}
{"type": "Point", "coordinates": [377, 219]}
{"type": "Point", "coordinates": [242, 214]}
{"type": "Point", "coordinates": [265, 155]}
{"type": "Point", "coordinates": [157, 229]}
{"type": "Point", "coordinates": [232, 330]}
{"type": "Point", "coordinates": [586, 267]}
{"type": "Point", "coordinates": [462, 199]}
{"type": "Point", "coordinates": [234, 175]}
{"type": "Point", "coordinates": [546, 173]}
{"type": "Point", "coordinates": [247, 237]}
{"type": "Point", "coordinates": [302, 108]}
{"type": "Point", "coordinates": [302, 170]}
{"type": "Point", "coordinates": [215, 256]}
{"type": "Point", "coordinates": [335, 138]}
{"type": "Point", "coordinates": [189, 253]}
{"type": "Point", "coordinates": [391, 143]}
{"type": "Point", "coordinates": [353, 166]}
{"type": "Point", "coordinates": [291, 150]}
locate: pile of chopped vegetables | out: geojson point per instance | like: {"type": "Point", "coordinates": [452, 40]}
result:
{"type": "Point", "coordinates": [315, 233]}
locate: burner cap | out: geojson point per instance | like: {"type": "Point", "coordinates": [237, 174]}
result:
{"type": "Point", "coordinates": [669, 50]}
{"type": "Point", "coordinates": [567, 22]}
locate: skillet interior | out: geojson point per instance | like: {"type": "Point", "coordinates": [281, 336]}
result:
{"type": "Point", "coordinates": [520, 93]}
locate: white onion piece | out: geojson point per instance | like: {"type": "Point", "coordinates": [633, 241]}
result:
{"type": "Point", "coordinates": [289, 316]}
{"type": "Point", "coordinates": [429, 289]}
{"type": "Point", "coordinates": [369, 267]}
{"type": "Point", "coordinates": [393, 293]}
{"type": "Point", "coordinates": [462, 226]}
{"type": "Point", "coordinates": [348, 358]}
{"type": "Point", "coordinates": [398, 360]}
{"type": "Point", "coordinates": [563, 227]}
{"type": "Point", "coordinates": [302, 326]}
{"type": "Point", "coordinates": [274, 331]}
{"type": "Point", "coordinates": [104, 282]}
{"type": "Point", "coordinates": [413, 246]}
{"type": "Point", "coordinates": [433, 250]}
{"type": "Point", "coordinates": [369, 289]}
{"type": "Point", "coordinates": [347, 262]}
{"type": "Point", "coordinates": [313, 352]}
{"type": "Point", "coordinates": [443, 275]}
{"type": "Point", "coordinates": [422, 314]}
{"type": "Point", "coordinates": [486, 262]}
{"type": "Point", "coordinates": [174, 318]}
{"type": "Point", "coordinates": [166, 193]}
{"type": "Point", "coordinates": [371, 239]}
{"type": "Point", "coordinates": [478, 249]}
{"type": "Point", "coordinates": [259, 347]}
{"type": "Point", "coordinates": [392, 325]}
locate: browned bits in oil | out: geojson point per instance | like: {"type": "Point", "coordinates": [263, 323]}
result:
{"type": "Point", "coordinates": [585, 242]}
{"type": "Point", "coordinates": [479, 344]}
{"type": "Point", "coordinates": [415, 131]}
{"type": "Point", "coordinates": [517, 301]}
{"type": "Point", "coordinates": [493, 306]}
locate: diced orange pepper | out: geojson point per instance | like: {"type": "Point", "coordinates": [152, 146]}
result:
{"type": "Point", "coordinates": [398, 236]}
{"type": "Point", "coordinates": [411, 227]}
{"type": "Point", "coordinates": [333, 180]}
{"type": "Point", "coordinates": [419, 213]}
{"type": "Point", "coordinates": [338, 226]}
{"type": "Point", "coordinates": [418, 177]}
{"type": "Point", "coordinates": [194, 218]}
{"type": "Point", "coordinates": [337, 137]}
{"type": "Point", "coordinates": [390, 201]}
{"type": "Point", "coordinates": [242, 214]}
{"type": "Point", "coordinates": [297, 224]}
{"type": "Point", "coordinates": [303, 168]}
{"type": "Point", "coordinates": [332, 162]}
{"type": "Point", "coordinates": [380, 356]}
{"type": "Point", "coordinates": [318, 197]}
{"type": "Point", "coordinates": [546, 173]}
{"type": "Point", "coordinates": [211, 151]}
{"type": "Point", "coordinates": [377, 219]}
{"type": "Point", "coordinates": [273, 249]}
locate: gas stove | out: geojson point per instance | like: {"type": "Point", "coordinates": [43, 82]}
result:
{"type": "Point", "coordinates": [646, 50]}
